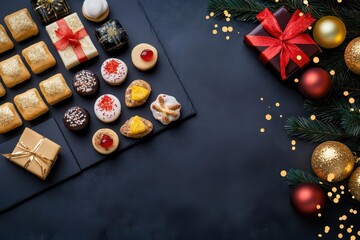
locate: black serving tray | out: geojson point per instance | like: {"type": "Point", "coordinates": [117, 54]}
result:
{"type": "Point", "coordinates": [162, 79]}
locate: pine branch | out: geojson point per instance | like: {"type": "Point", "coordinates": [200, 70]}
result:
{"type": "Point", "coordinates": [350, 123]}
{"type": "Point", "coordinates": [314, 131]}
{"type": "Point", "coordinates": [296, 177]}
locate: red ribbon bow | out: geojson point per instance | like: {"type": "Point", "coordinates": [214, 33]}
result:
{"type": "Point", "coordinates": [68, 38]}
{"type": "Point", "coordinates": [283, 42]}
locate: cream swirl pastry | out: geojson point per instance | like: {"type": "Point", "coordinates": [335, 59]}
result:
{"type": "Point", "coordinates": [165, 109]}
{"type": "Point", "coordinates": [95, 10]}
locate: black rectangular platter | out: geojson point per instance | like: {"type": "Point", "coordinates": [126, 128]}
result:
{"type": "Point", "coordinates": [162, 79]}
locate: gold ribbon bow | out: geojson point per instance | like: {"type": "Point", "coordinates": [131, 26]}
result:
{"type": "Point", "coordinates": [32, 155]}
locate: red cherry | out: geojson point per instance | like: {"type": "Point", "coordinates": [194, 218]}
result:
{"type": "Point", "coordinates": [106, 141]}
{"type": "Point", "coordinates": [147, 55]}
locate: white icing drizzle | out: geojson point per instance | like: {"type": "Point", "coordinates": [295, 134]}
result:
{"type": "Point", "coordinates": [166, 109]}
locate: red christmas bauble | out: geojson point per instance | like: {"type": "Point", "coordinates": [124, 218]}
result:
{"type": "Point", "coordinates": [315, 83]}
{"type": "Point", "coordinates": [308, 199]}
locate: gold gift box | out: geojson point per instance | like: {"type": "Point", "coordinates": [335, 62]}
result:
{"type": "Point", "coordinates": [35, 153]}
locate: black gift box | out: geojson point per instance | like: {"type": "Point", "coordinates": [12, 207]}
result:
{"type": "Point", "coordinates": [112, 36]}
{"type": "Point", "coordinates": [49, 11]}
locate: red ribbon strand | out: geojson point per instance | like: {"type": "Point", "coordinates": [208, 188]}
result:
{"type": "Point", "coordinates": [68, 38]}
{"type": "Point", "coordinates": [283, 42]}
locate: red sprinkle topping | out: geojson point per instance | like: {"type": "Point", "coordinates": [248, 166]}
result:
{"type": "Point", "coordinates": [106, 141]}
{"type": "Point", "coordinates": [111, 66]}
{"type": "Point", "coordinates": [147, 55]}
{"type": "Point", "coordinates": [106, 103]}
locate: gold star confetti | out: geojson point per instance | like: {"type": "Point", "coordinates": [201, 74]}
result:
{"type": "Point", "coordinates": [268, 117]}
{"type": "Point", "coordinates": [283, 173]}
{"type": "Point", "coordinates": [313, 117]}
{"type": "Point", "coordinates": [327, 229]}
{"type": "Point", "coordinates": [351, 100]}
{"type": "Point", "coordinates": [316, 60]}
{"type": "Point", "coordinates": [262, 130]}
{"type": "Point", "coordinates": [332, 72]}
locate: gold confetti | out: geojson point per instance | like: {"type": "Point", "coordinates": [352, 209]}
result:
{"type": "Point", "coordinates": [352, 237]}
{"type": "Point", "coordinates": [318, 206]}
{"type": "Point", "coordinates": [341, 226]}
{"type": "Point", "coordinates": [281, 115]}
{"type": "Point", "coordinates": [216, 26]}
{"type": "Point", "coordinates": [228, 19]}
{"type": "Point", "coordinates": [262, 130]}
{"type": "Point", "coordinates": [293, 148]}
{"type": "Point", "coordinates": [283, 173]}
{"type": "Point", "coordinates": [261, 99]}
{"type": "Point", "coordinates": [351, 100]}
{"type": "Point", "coordinates": [319, 235]}
{"type": "Point", "coordinates": [342, 187]}
{"type": "Point", "coordinates": [316, 60]}
{"type": "Point", "coordinates": [351, 109]}
{"type": "Point", "coordinates": [227, 37]}
{"type": "Point", "coordinates": [214, 32]}
{"type": "Point", "coordinates": [346, 93]}
{"type": "Point", "coordinates": [298, 57]}
{"type": "Point", "coordinates": [358, 233]}
{"type": "Point", "coordinates": [327, 229]}
{"type": "Point", "coordinates": [277, 104]}
{"type": "Point", "coordinates": [212, 14]}
{"type": "Point", "coordinates": [340, 235]}
{"type": "Point", "coordinates": [302, 14]}
{"type": "Point", "coordinates": [230, 29]}
{"type": "Point", "coordinates": [309, 27]}
{"type": "Point", "coordinates": [339, 1]}
{"type": "Point", "coordinates": [330, 177]}
{"type": "Point", "coordinates": [349, 230]}
{"type": "Point", "coordinates": [319, 214]}
{"type": "Point", "coordinates": [268, 117]}
{"type": "Point", "coordinates": [313, 117]}
{"type": "Point", "coordinates": [224, 29]}
{"type": "Point", "coordinates": [226, 12]}
{"type": "Point", "coordinates": [334, 189]}
{"type": "Point", "coordinates": [207, 17]}
{"type": "Point", "coordinates": [355, 212]}
{"type": "Point", "coordinates": [277, 1]}
{"type": "Point", "coordinates": [351, 210]}
{"type": "Point", "coordinates": [332, 72]}
{"type": "Point", "coordinates": [344, 217]}
{"type": "Point", "coordinates": [336, 200]}
{"type": "Point", "coordinates": [296, 80]}
{"type": "Point", "coordinates": [293, 142]}
{"type": "Point", "coordinates": [329, 194]}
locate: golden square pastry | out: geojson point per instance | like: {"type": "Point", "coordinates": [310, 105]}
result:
{"type": "Point", "coordinates": [13, 71]}
{"type": "Point", "coordinates": [38, 57]}
{"type": "Point", "coordinates": [55, 89]}
{"type": "Point", "coordinates": [9, 118]}
{"type": "Point", "coordinates": [5, 42]}
{"type": "Point", "coordinates": [2, 90]}
{"type": "Point", "coordinates": [30, 104]}
{"type": "Point", "coordinates": [21, 25]}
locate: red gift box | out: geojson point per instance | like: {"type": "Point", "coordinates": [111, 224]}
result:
{"type": "Point", "coordinates": [282, 42]}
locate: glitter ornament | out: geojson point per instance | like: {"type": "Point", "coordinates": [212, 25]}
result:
{"type": "Point", "coordinates": [329, 32]}
{"type": "Point", "coordinates": [308, 199]}
{"type": "Point", "coordinates": [354, 184]}
{"type": "Point", "coordinates": [332, 161]}
{"type": "Point", "coordinates": [352, 56]}
{"type": "Point", "coordinates": [315, 83]}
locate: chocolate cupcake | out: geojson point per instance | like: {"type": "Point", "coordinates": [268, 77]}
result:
{"type": "Point", "coordinates": [85, 83]}
{"type": "Point", "coordinates": [76, 119]}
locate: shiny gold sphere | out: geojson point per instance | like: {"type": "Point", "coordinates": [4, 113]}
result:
{"type": "Point", "coordinates": [352, 55]}
{"type": "Point", "coordinates": [354, 184]}
{"type": "Point", "coordinates": [332, 161]}
{"type": "Point", "coordinates": [329, 32]}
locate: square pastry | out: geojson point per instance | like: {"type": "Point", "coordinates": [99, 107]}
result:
{"type": "Point", "coordinates": [112, 36]}
{"type": "Point", "coordinates": [13, 71]}
{"type": "Point", "coordinates": [38, 57]}
{"type": "Point", "coordinates": [5, 42]}
{"type": "Point", "coordinates": [21, 25]}
{"type": "Point", "coordinates": [50, 11]}
{"type": "Point", "coordinates": [55, 89]}
{"type": "Point", "coordinates": [30, 104]}
{"type": "Point", "coordinates": [2, 90]}
{"type": "Point", "coordinates": [9, 118]}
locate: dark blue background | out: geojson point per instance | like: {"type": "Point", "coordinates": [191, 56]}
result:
{"type": "Point", "coordinates": [213, 177]}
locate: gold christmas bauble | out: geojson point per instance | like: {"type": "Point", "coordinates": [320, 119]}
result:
{"type": "Point", "coordinates": [354, 184]}
{"type": "Point", "coordinates": [352, 55]}
{"type": "Point", "coordinates": [332, 161]}
{"type": "Point", "coordinates": [329, 32]}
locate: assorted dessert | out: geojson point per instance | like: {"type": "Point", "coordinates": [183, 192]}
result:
{"type": "Point", "coordinates": [105, 141]}
{"type": "Point", "coordinates": [114, 71]}
{"type": "Point", "coordinates": [74, 46]}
